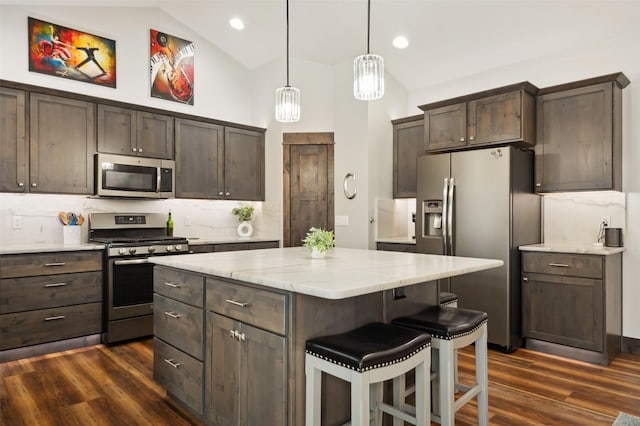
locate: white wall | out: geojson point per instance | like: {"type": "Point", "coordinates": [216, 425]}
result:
{"type": "Point", "coordinates": [589, 60]}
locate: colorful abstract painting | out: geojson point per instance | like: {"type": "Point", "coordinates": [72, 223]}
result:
{"type": "Point", "coordinates": [68, 53]}
{"type": "Point", "coordinates": [171, 68]}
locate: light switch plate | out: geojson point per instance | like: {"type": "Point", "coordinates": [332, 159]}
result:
{"type": "Point", "coordinates": [342, 220]}
{"type": "Point", "coordinates": [16, 222]}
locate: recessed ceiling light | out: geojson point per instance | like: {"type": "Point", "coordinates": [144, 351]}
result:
{"type": "Point", "coordinates": [236, 23]}
{"type": "Point", "coordinates": [400, 42]}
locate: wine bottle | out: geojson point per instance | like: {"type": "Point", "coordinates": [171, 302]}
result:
{"type": "Point", "coordinates": [169, 225]}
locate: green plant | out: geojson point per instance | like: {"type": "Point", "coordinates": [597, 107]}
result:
{"type": "Point", "coordinates": [243, 213]}
{"type": "Point", "coordinates": [319, 238]}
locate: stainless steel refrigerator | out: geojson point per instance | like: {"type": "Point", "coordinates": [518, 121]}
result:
{"type": "Point", "coordinates": [481, 203]}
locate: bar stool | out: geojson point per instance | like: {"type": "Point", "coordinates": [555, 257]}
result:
{"type": "Point", "coordinates": [366, 357]}
{"type": "Point", "coordinates": [451, 329]}
{"type": "Point", "coordinates": [448, 299]}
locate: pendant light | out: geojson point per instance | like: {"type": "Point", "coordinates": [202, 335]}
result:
{"type": "Point", "coordinates": [368, 71]}
{"type": "Point", "coordinates": [287, 97]}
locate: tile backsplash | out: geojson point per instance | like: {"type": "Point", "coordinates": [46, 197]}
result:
{"type": "Point", "coordinates": [204, 219]}
{"type": "Point", "coordinates": [574, 218]}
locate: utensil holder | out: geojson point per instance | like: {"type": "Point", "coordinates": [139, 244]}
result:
{"type": "Point", "coordinates": [71, 234]}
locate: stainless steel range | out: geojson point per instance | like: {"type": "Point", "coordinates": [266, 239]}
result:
{"type": "Point", "coordinates": [130, 239]}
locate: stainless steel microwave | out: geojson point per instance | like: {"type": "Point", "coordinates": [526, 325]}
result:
{"type": "Point", "coordinates": [134, 177]}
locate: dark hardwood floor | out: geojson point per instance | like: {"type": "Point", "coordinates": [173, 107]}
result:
{"type": "Point", "coordinates": [113, 385]}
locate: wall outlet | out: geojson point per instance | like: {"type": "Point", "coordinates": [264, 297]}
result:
{"type": "Point", "coordinates": [16, 222]}
{"type": "Point", "coordinates": [606, 220]}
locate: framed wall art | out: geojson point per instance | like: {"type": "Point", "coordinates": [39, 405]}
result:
{"type": "Point", "coordinates": [67, 53]}
{"type": "Point", "coordinates": [172, 60]}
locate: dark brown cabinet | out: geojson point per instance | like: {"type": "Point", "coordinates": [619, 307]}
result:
{"type": "Point", "coordinates": [579, 128]}
{"type": "Point", "coordinates": [246, 366]}
{"type": "Point", "coordinates": [243, 165]}
{"type": "Point", "coordinates": [571, 304]}
{"type": "Point", "coordinates": [178, 329]}
{"type": "Point", "coordinates": [62, 144]}
{"type": "Point", "coordinates": [47, 297]}
{"type": "Point", "coordinates": [139, 133]}
{"type": "Point", "coordinates": [217, 162]}
{"type": "Point", "coordinates": [13, 141]}
{"type": "Point", "coordinates": [401, 247]}
{"type": "Point", "coordinates": [199, 159]}
{"type": "Point", "coordinates": [500, 116]}
{"type": "Point", "coordinates": [408, 145]}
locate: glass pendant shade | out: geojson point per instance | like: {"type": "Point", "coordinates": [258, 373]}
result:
{"type": "Point", "coordinates": [368, 77]}
{"type": "Point", "coordinates": [287, 104]}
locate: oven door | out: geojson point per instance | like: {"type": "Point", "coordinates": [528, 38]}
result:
{"type": "Point", "coordinates": [130, 291]}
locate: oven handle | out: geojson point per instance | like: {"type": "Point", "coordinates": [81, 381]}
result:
{"type": "Point", "coordinates": [131, 262]}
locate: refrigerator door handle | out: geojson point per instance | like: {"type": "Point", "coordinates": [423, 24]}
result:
{"type": "Point", "coordinates": [450, 216]}
{"type": "Point", "coordinates": [445, 209]}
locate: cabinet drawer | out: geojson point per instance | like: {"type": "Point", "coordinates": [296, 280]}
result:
{"type": "Point", "coordinates": [26, 294]}
{"type": "Point", "coordinates": [48, 325]}
{"type": "Point", "coordinates": [178, 324]}
{"type": "Point", "coordinates": [178, 373]}
{"type": "Point", "coordinates": [575, 265]}
{"type": "Point", "coordinates": [179, 285]}
{"type": "Point", "coordinates": [264, 309]}
{"type": "Point", "coordinates": [28, 265]}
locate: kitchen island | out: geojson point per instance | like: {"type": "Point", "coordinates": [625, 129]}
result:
{"type": "Point", "coordinates": [255, 310]}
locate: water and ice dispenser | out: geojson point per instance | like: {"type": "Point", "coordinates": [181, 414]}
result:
{"type": "Point", "coordinates": [431, 218]}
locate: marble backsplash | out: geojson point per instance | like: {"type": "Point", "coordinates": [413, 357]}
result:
{"type": "Point", "coordinates": [574, 218]}
{"type": "Point", "coordinates": [203, 219]}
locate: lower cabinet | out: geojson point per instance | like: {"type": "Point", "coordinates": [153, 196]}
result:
{"type": "Point", "coordinates": [217, 247]}
{"type": "Point", "coordinates": [246, 374]}
{"type": "Point", "coordinates": [571, 304]}
{"type": "Point", "coordinates": [402, 247]}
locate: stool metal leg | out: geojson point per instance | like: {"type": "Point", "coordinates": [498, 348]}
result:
{"type": "Point", "coordinates": [482, 377]}
{"type": "Point", "coordinates": [313, 392]}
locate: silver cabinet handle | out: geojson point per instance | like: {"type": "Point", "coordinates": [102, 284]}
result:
{"type": "Point", "coordinates": [172, 363]}
{"type": "Point", "coordinates": [173, 285]}
{"type": "Point", "coordinates": [241, 304]}
{"type": "Point", "coordinates": [57, 317]}
{"type": "Point", "coordinates": [55, 285]}
{"type": "Point", "coordinates": [559, 265]}
{"type": "Point", "coordinates": [525, 279]}
{"type": "Point", "coordinates": [55, 264]}
{"type": "Point", "coordinates": [34, 185]}
{"type": "Point", "coordinates": [221, 193]}
{"type": "Point", "coordinates": [538, 184]}
{"type": "Point", "coordinates": [20, 184]}
{"type": "Point", "coordinates": [472, 138]}
{"type": "Point", "coordinates": [227, 194]}
{"type": "Point", "coordinates": [172, 315]}
{"type": "Point", "coordinates": [134, 149]}
{"type": "Point", "coordinates": [139, 149]}
{"type": "Point", "coordinates": [462, 139]}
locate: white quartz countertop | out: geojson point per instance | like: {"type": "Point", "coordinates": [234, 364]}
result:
{"type": "Point", "coordinates": [343, 273]}
{"type": "Point", "coordinates": [47, 247]}
{"type": "Point", "coordinates": [569, 248]}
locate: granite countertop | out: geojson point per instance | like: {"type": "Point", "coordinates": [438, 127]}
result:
{"type": "Point", "coordinates": [343, 273]}
{"type": "Point", "coordinates": [47, 247]}
{"type": "Point", "coordinates": [572, 248]}
{"type": "Point", "coordinates": [396, 240]}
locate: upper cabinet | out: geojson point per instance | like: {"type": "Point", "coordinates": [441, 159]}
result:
{"type": "Point", "coordinates": [217, 162]}
{"type": "Point", "coordinates": [408, 141]}
{"type": "Point", "coordinates": [199, 159]}
{"type": "Point", "coordinates": [243, 164]}
{"type": "Point", "coordinates": [13, 141]}
{"type": "Point", "coordinates": [498, 116]}
{"type": "Point", "coordinates": [580, 135]}
{"type": "Point", "coordinates": [62, 144]}
{"type": "Point", "coordinates": [130, 132]}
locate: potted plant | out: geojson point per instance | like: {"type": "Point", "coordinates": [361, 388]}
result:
{"type": "Point", "coordinates": [244, 215]}
{"type": "Point", "coordinates": [319, 241]}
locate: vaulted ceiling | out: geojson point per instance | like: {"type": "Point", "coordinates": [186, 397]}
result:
{"type": "Point", "coordinates": [448, 39]}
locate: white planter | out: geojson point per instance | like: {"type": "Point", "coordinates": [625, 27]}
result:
{"type": "Point", "coordinates": [245, 229]}
{"type": "Point", "coordinates": [317, 254]}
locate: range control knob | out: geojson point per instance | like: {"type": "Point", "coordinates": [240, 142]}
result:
{"type": "Point", "coordinates": [178, 247]}
{"type": "Point", "coordinates": [132, 250]}
{"type": "Point", "coordinates": [122, 251]}
{"type": "Point", "coordinates": [152, 249]}
{"type": "Point", "coordinates": [170, 248]}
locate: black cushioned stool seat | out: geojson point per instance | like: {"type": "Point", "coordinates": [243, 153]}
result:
{"type": "Point", "coordinates": [366, 357]}
{"type": "Point", "coordinates": [369, 346]}
{"type": "Point", "coordinates": [451, 329]}
{"type": "Point", "coordinates": [444, 322]}
{"type": "Point", "coordinates": [448, 299]}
